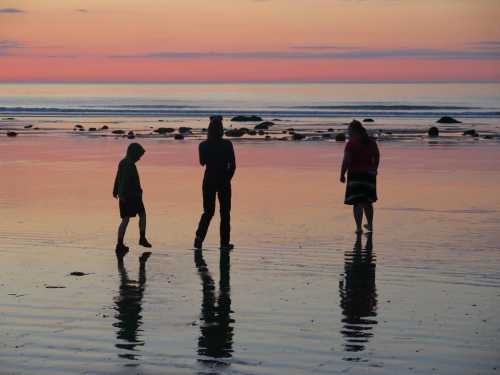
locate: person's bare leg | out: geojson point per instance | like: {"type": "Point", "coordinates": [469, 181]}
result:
{"type": "Point", "coordinates": [121, 249]}
{"type": "Point", "coordinates": [142, 230]}
{"type": "Point", "coordinates": [368, 208]}
{"type": "Point", "coordinates": [122, 229]}
{"type": "Point", "coordinates": [358, 217]}
{"type": "Point", "coordinates": [142, 224]}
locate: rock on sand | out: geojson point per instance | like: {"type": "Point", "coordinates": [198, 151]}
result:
{"type": "Point", "coordinates": [433, 132]}
{"type": "Point", "coordinates": [340, 137]}
{"type": "Point", "coordinates": [264, 125]}
{"type": "Point", "coordinates": [246, 118]}
{"type": "Point", "coordinates": [448, 120]}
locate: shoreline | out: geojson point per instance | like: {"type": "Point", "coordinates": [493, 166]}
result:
{"type": "Point", "coordinates": [297, 130]}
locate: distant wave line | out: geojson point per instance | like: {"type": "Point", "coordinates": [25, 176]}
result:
{"type": "Point", "coordinates": [145, 106]}
{"type": "Point", "coordinates": [382, 107]}
{"type": "Point", "coordinates": [204, 112]}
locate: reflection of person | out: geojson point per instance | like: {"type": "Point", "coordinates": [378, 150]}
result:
{"type": "Point", "coordinates": [128, 306]}
{"type": "Point", "coordinates": [358, 296]}
{"type": "Point", "coordinates": [128, 189]}
{"type": "Point", "coordinates": [216, 331]}
{"type": "Point", "coordinates": [361, 160]}
{"type": "Point", "coordinates": [217, 155]}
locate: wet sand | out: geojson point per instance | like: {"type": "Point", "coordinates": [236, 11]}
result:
{"type": "Point", "coordinates": [300, 294]}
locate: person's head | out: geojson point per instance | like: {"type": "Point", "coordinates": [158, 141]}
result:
{"type": "Point", "coordinates": [357, 131]}
{"type": "Point", "coordinates": [135, 152]}
{"type": "Point", "coordinates": [215, 128]}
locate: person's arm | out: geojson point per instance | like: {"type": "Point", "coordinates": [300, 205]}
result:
{"type": "Point", "coordinates": [135, 181]}
{"type": "Point", "coordinates": [345, 163]}
{"type": "Point", "coordinates": [376, 156]}
{"type": "Point", "coordinates": [117, 183]}
{"type": "Point", "coordinates": [231, 166]}
{"type": "Point", "coordinates": [124, 180]}
{"type": "Point", "coordinates": [202, 154]}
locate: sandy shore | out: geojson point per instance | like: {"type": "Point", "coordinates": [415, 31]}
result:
{"type": "Point", "coordinates": [300, 294]}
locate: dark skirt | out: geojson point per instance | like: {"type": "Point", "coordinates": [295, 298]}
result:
{"type": "Point", "coordinates": [361, 188]}
{"type": "Point", "coordinates": [132, 206]}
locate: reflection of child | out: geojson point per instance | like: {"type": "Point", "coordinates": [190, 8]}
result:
{"type": "Point", "coordinates": [128, 189]}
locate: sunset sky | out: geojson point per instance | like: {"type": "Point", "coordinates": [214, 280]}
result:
{"type": "Point", "coordinates": [249, 40]}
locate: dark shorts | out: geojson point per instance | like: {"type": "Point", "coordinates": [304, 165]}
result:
{"type": "Point", "coordinates": [130, 207]}
{"type": "Point", "coordinates": [361, 188]}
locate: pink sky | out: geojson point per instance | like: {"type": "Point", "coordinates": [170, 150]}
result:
{"type": "Point", "coordinates": [249, 40]}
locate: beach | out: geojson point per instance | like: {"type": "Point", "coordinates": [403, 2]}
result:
{"type": "Point", "coordinates": [299, 294]}
{"type": "Point", "coordinates": [183, 183]}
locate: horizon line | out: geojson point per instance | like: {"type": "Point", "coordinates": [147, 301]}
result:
{"type": "Point", "coordinates": [249, 81]}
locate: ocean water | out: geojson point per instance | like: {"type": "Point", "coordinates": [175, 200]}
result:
{"type": "Point", "coordinates": [401, 112]}
{"type": "Point", "coordinates": [311, 100]}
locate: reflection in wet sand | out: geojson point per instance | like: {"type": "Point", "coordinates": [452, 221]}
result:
{"type": "Point", "coordinates": [216, 331]}
{"type": "Point", "coordinates": [128, 306]}
{"type": "Point", "coordinates": [358, 297]}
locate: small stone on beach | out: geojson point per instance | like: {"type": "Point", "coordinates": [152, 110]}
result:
{"type": "Point", "coordinates": [448, 120]}
{"type": "Point", "coordinates": [78, 273]}
{"type": "Point", "coordinates": [433, 132]}
{"type": "Point", "coordinates": [264, 125]}
{"type": "Point", "coordinates": [235, 133]}
{"type": "Point", "coordinates": [298, 137]}
{"type": "Point", "coordinates": [340, 137]}
{"type": "Point", "coordinates": [164, 130]}
{"type": "Point", "coordinates": [246, 118]}
{"type": "Point", "coordinates": [471, 132]}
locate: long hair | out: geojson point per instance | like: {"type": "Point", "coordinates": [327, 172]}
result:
{"type": "Point", "coordinates": [355, 127]}
{"type": "Point", "coordinates": [215, 128]}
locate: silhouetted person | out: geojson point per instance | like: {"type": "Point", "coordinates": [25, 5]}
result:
{"type": "Point", "coordinates": [358, 296]}
{"type": "Point", "coordinates": [128, 306]}
{"type": "Point", "coordinates": [361, 160]}
{"type": "Point", "coordinates": [217, 155]}
{"type": "Point", "coordinates": [127, 189]}
{"type": "Point", "coordinates": [216, 331]}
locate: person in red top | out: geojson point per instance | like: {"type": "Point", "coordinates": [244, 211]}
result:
{"type": "Point", "coordinates": [361, 160]}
